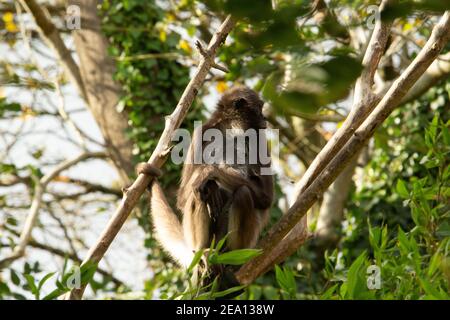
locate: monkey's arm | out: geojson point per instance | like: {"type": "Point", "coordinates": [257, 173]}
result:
{"type": "Point", "coordinates": [262, 190]}
{"type": "Point", "coordinates": [261, 186]}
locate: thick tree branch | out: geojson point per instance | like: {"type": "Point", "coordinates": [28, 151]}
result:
{"type": "Point", "coordinates": [159, 155]}
{"type": "Point", "coordinates": [438, 39]}
{"type": "Point", "coordinates": [363, 103]}
{"type": "Point", "coordinates": [438, 71]}
{"type": "Point", "coordinates": [33, 213]}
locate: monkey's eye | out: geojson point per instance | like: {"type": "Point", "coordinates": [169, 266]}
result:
{"type": "Point", "coordinates": [239, 103]}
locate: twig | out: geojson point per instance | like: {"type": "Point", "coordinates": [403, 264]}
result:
{"type": "Point", "coordinates": [206, 55]}
{"type": "Point", "coordinates": [63, 254]}
{"type": "Point", "coordinates": [159, 155]}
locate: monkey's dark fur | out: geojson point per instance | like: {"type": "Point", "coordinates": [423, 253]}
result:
{"type": "Point", "coordinates": [216, 199]}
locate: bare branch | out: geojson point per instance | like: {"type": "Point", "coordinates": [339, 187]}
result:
{"type": "Point", "coordinates": [206, 55]}
{"type": "Point", "coordinates": [439, 70]}
{"type": "Point", "coordinates": [63, 254]}
{"type": "Point", "coordinates": [33, 213]}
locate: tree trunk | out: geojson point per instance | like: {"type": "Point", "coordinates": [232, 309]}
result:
{"type": "Point", "coordinates": [332, 208]}
{"type": "Point", "coordinates": [97, 70]}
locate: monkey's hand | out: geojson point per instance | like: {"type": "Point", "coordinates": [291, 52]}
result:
{"type": "Point", "coordinates": [148, 169]}
{"type": "Point", "coordinates": [207, 188]}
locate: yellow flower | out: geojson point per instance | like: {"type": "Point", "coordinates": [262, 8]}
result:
{"type": "Point", "coordinates": [184, 45]}
{"type": "Point", "coordinates": [11, 27]}
{"type": "Point", "coordinates": [221, 86]}
{"type": "Point", "coordinates": [407, 27]}
{"type": "Point", "coordinates": [170, 17]}
{"type": "Point", "coordinates": [8, 17]}
{"type": "Point", "coordinates": [162, 36]}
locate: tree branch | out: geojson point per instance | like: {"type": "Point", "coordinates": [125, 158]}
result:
{"type": "Point", "coordinates": [63, 254]}
{"type": "Point", "coordinates": [51, 34]}
{"type": "Point", "coordinates": [438, 39]}
{"type": "Point", "coordinates": [363, 103]}
{"type": "Point", "coordinates": [159, 155]}
{"type": "Point", "coordinates": [439, 70]}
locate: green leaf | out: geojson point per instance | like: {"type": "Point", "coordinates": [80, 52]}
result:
{"type": "Point", "coordinates": [221, 243]}
{"type": "Point", "coordinates": [235, 257]}
{"type": "Point", "coordinates": [14, 277]}
{"type": "Point", "coordinates": [286, 280]}
{"type": "Point", "coordinates": [44, 279]}
{"type": "Point", "coordinates": [401, 189]}
{"type": "Point", "coordinates": [403, 241]}
{"type": "Point", "coordinates": [87, 272]}
{"type": "Point", "coordinates": [228, 291]}
{"type": "Point", "coordinates": [197, 257]}
{"type": "Point", "coordinates": [356, 280]}
{"type": "Point", "coordinates": [55, 294]}
{"type": "Point", "coordinates": [327, 295]}
{"type": "Point", "coordinates": [429, 289]}
{"type": "Point", "coordinates": [32, 285]}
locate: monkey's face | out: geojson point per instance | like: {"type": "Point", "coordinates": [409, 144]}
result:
{"type": "Point", "coordinates": [244, 105]}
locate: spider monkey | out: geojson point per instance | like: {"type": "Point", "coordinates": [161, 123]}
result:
{"type": "Point", "coordinates": [218, 198]}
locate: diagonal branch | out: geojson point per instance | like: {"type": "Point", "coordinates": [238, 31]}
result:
{"type": "Point", "coordinates": [363, 103]}
{"type": "Point", "coordinates": [159, 155]}
{"type": "Point", "coordinates": [439, 70]}
{"type": "Point", "coordinates": [438, 39]}
{"type": "Point", "coordinates": [33, 213]}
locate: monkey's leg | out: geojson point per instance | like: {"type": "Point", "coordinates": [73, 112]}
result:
{"type": "Point", "coordinates": [217, 201]}
{"type": "Point", "coordinates": [244, 221]}
{"type": "Point", "coordinates": [196, 222]}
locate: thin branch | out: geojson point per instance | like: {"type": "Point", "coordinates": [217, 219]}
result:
{"type": "Point", "coordinates": [65, 117]}
{"type": "Point", "coordinates": [159, 155]}
{"type": "Point", "coordinates": [207, 56]}
{"type": "Point", "coordinates": [33, 213]}
{"type": "Point", "coordinates": [363, 104]}
{"type": "Point", "coordinates": [63, 254]}
{"type": "Point", "coordinates": [438, 71]}
{"type": "Point", "coordinates": [438, 39]}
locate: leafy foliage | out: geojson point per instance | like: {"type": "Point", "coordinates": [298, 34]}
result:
{"type": "Point", "coordinates": [151, 79]}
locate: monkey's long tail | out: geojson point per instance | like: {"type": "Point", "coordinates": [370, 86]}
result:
{"type": "Point", "coordinates": [167, 227]}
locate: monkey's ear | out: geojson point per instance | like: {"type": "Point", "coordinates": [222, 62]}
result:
{"type": "Point", "coordinates": [239, 103]}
